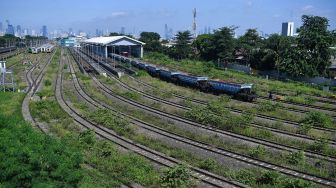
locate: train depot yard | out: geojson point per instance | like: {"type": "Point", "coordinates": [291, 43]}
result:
{"type": "Point", "coordinates": [126, 111]}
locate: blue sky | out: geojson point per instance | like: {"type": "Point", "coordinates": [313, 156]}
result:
{"type": "Point", "coordinates": [151, 15]}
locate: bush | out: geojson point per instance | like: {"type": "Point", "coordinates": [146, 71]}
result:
{"type": "Point", "coordinates": [300, 99]}
{"type": "Point", "coordinates": [131, 95]}
{"type": "Point", "coordinates": [269, 178]}
{"type": "Point", "coordinates": [217, 108]}
{"type": "Point", "coordinates": [317, 119]}
{"type": "Point", "coordinates": [203, 115]}
{"type": "Point", "coordinates": [208, 164]}
{"type": "Point", "coordinates": [179, 176]}
{"type": "Point", "coordinates": [47, 82]}
{"type": "Point", "coordinates": [296, 158]}
{"type": "Point", "coordinates": [296, 183]}
{"type": "Point", "coordinates": [33, 159]}
{"type": "Point", "coordinates": [47, 110]}
{"type": "Point", "coordinates": [257, 151]}
{"type": "Point", "coordinates": [320, 145]}
{"type": "Point", "coordinates": [267, 106]}
{"type": "Point", "coordinates": [111, 120]}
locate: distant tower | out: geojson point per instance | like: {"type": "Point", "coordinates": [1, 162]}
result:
{"type": "Point", "coordinates": [166, 32]}
{"type": "Point", "coordinates": [194, 22]}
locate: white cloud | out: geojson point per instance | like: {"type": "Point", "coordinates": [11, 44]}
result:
{"type": "Point", "coordinates": [249, 3]}
{"type": "Point", "coordinates": [307, 8]}
{"type": "Point", "coordinates": [276, 15]}
{"type": "Point", "coordinates": [119, 14]}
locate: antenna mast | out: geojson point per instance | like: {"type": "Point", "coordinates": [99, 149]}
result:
{"type": "Point", "coordinates": [194, 22]}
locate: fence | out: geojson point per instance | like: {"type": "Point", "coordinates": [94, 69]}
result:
{"type": "Point", "coordinates": [279, 75]}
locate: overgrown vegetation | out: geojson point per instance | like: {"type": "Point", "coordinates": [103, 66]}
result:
{"type": "Point", "coordinates": [317, 119]}
{"type": "Point", "coordinates": [30, 158]}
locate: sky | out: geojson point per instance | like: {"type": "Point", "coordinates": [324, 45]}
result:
{"type": "Point", "coordinates": [151, 15]}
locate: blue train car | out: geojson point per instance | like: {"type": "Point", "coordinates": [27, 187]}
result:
{"type": "Point", "coordinates": [168, 75]}
{"type": "Point", "coordinates": [134, 63]}
{"type": "Point", "coordinates": [152, 70]}
{"type": "Point", "coordinates": [142, 65]}
{"type": "Point", "coordinates": [189, 80]}
{"type": "Point", "coordinates": [243, 91]}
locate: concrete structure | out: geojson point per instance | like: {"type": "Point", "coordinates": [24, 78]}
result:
{"type": "Point", "coordinates": [114, 44]}
{"type": "Point", "coordinates": [287, 29]}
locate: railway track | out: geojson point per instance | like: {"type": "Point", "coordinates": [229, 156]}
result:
{"type": "Point", "coordinates": [203, 146]}
{"type": "Point", "coordinates": [254, 124]}
{"type": "Point", "coordinates": [33, 85]}
{"type": "Point", "coordinates": [209, 128]}
{"type": "Point", "coordinates": [321, 99]}
{"type": "Point", "coordinates": [202, 102]}
{"type": "Point", "coordinates": [204, 176]}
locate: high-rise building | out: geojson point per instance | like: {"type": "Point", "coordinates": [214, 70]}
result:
{"type": "Point", "coordinates": [70, 31]}
{"type": "Point", "coordinates": [18, 31]}
{"type": "Point", "coordinates": [44, 31]}
{"type": "Point", "coordinates": [122, 31]}
{"type": "Point", "coordinates": [287, 29]}
{"type": "Point", "coordinates": [99, 33]}
{"type": "Point", "coordinates": [10, 30]}
{"type": "Point", "coordinates": [25, 32]}
{"type": "Point", "coordinates": [1, 29]}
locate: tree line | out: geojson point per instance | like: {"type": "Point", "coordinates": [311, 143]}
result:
{"type": "Point", "coordinates": [307, 54]}
{"type": "Point", "coordinates": [11, 40]}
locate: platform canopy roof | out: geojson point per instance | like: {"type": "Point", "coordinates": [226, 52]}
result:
{"type": "Point", "coordinates": [114, 41]}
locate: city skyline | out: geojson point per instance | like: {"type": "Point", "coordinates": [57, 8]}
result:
{"type": "Point", "coordinates": [134, 17]}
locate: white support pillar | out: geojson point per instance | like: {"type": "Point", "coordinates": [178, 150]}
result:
{"type": "Point", "coordinates": [105, 51]}
{"type": "Point", "coordinates": [141, 51]}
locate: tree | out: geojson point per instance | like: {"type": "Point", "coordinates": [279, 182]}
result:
{"type": "Point", "coordinates": [115, 34]}
{"type": "Point", "coordinates": [183, 44]}
{"type": "Point", "coordinates": [272, 52]}
{"type": "Point", "coordinates": [152, 41]}
{"type": "Point", "coordinates": [224, 43]}
{"type": "Point", "coordinates": [204, 45]}
{"type": "Point", "coordinates": [119, 34]}
{"type": "Point", "coordinates": [249, 43]}
{"type": "Point", "coordinates": [315, 39]}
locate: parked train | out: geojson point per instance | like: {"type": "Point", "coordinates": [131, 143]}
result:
{"type": "Point", "coordinates": [7, 49]}
{"type": "Point", "coordinates": [237, 90]}
{"type": "Point", "coordinates": [44, 48]}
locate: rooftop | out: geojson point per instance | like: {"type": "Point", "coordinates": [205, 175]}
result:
{"type": "Point", "coordinates": [112, 39]}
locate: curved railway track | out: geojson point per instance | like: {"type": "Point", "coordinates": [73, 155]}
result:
{"type": "Point", "coordinates": [204, 146]}
{"type": "Point", "coordinates": [204, 176]}
{"type": "Point", "coordinates": [33, 85]}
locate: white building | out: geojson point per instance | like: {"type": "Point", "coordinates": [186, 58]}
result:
{"type": "Point", "coordinates": [114, 44]}
{"type": "Point", "coordinates": [287, 29]}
